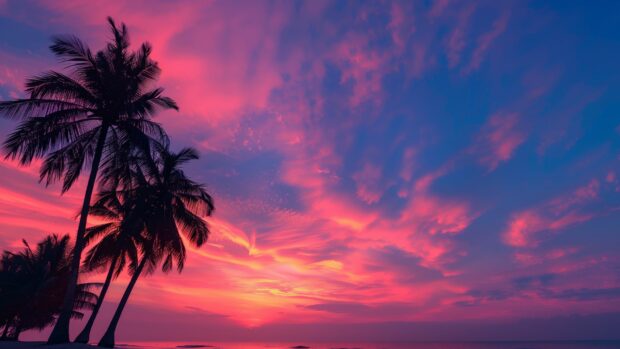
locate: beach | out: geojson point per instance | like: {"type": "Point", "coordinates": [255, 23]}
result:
{"type": "Point", "coordinates": [42, 345]}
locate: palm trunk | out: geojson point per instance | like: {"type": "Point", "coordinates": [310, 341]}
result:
{"type": "Point", "coordinates": [5, 333]}
{"type": "Point", "coordinates": [16, 334]}
{"type": "Point", "coordinates": [108, 338]}
{"type": "Point", "coordinates": [60, 333]}
{"type": "Point", "coordinates": [84, 336]}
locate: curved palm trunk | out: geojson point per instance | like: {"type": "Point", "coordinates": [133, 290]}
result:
{"type": "Point", "coordinates": [84, 336]}
{"type": "Point", "coordinates": [60, 333]}
{"type": "Point", "coordinates": [108, 338]}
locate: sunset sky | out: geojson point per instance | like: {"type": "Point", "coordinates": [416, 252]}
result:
{"type": "Point", "coordinates": [386, 170]}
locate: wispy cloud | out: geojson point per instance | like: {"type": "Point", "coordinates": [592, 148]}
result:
{"type": "Point", "coordinates": [528, 228]}
{"type": "Point", "coordinates": [485, 41]}
{"type": "Point", "coordinates": [498, 139]}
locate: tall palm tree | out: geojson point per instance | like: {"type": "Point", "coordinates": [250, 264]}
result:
{"type": "Point", "coordinates": [33, 283]}
{"type": "Point", "coordinates": [118, 245]}
{"type": "Point", "coordinates": [104, 103]}
{"type": "Point", "coordinates": [169, 204]}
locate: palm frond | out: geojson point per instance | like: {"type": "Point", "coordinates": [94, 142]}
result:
{"type": "Point", "coordinates": [54, 85]}
{"type": "Point", "coordinates": [34, 137]}
{"type": "Point", "coordinates": [39, 107]}
{"type": "Point", "coordinates": [71, 49]}
{"type": "Point", "coordinates": [68, 161]}
{"type": "Point", "coordinates": [194, 227]}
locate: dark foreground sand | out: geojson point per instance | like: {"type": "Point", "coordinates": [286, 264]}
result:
{"type": "Point", "coordinates": [42, 345]}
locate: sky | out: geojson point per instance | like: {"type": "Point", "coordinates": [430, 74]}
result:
{"type": "Point", "coordinates": [385, 170]}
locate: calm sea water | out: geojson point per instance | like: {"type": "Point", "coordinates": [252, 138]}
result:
{"type": "Point", "coordinates": [416, 345]}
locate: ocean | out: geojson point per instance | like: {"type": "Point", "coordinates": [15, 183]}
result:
{"type": "Point", "coordinates": [382, 345]}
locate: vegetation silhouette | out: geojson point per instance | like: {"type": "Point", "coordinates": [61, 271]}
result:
{"type": "Point", "coordinates": [155, 198]}
{"type": "Point", "coordinates": [32, 287]}
{"type": "Point", "coordinates": [101, 108]}
{"type": "Point", "coordinates": [119, 243]}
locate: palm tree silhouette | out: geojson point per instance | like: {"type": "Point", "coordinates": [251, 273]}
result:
{"type": "Point", "coordinates": [33, 284]}
{"type": "Point", "coordinates": [104, 104]}
{"type": "Point", "coordinates": [119, 244]}
{"type": "Point", "coordinates": [169, 204]}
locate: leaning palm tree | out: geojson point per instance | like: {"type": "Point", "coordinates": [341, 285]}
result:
{"type": "Point", "coordinates": [169, 204]}
{"type": "Point", "coordinates": [80, 119]}
{"type": "Point", "coordinates": [33, 283]}
{"type": "Point", "coordinates": [118, 245]}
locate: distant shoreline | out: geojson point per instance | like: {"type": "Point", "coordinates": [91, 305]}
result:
{"type": "Point", "coordinates": [554, 344]}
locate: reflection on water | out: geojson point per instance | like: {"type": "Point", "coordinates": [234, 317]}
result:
{"type": "Point", "coordinates": [415, 345]}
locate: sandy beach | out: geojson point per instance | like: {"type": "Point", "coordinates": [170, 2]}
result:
{"type": "Point", "coordinates": [42, 345]}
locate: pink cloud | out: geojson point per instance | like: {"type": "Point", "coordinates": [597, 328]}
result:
{"type": "Point", "coordinates": [368, 181]}
{"type": "Point", "coordinates": [457, 40]}
{"type": "Point", "coordinates": [525, 226]}
{"type": "Point", "coordinates": [498, 139]}
{"type": "Point", "coordinates": [363, 67]}
{"type": "Point", "coordinates": [438, 8]}
{"type": "Point", "coordinates": [401, 25]}
{"type": "Point", "coordinates": [566, 118]}
{"type": "Point", "coordinates": [529, 258]}
{"type": "Point", "coordinates": [485, 41]}
{"type": "Point", "coordinates": [529, 227]}
{"type": "Point", "coordinates": [432, 215]}
{"type": "Point", "coordinates": [539, 82]}
{"type": "Point", "coordinates": [408, 163]}
{"type": "Point", "coordinates": [429, 220]}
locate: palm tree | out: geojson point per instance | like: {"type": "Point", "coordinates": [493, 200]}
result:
{"type": "Point", "coordinates": [84, 118]}
{"type": "Point", "coordinates": [169, 204]}
{"type": "Point", "coordinates": [10, 296]}
{"type": "Point", "coordinates": [119, 245]}
{"type": "Point", "coordinates": [33, 283]}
